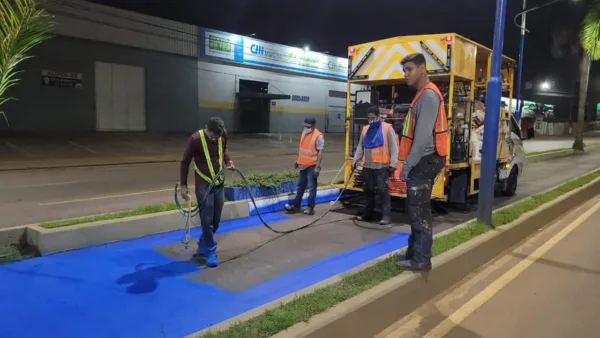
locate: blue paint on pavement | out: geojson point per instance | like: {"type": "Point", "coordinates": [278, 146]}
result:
{"type": "Point", "coordinates": [127, 289]}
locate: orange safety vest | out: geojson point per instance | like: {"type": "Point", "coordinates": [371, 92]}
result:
{"type": "Point", "coordinates": [307, 154]}
{"type": "Point", "coordinates": [440, 132]}
{"type": "Point", "coordinates": [380, 154]}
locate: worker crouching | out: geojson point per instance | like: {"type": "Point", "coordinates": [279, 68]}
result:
{"type": "Point", "coordinates": [423, 150]}
{"type": "Point", "coordinates": [208, 149]}
{"type": "Point", "coordinates": [310, 155]}
{"type": "Point", "coordinates": [378, 151]}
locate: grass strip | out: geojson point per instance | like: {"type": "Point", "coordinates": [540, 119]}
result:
{"type": "Point", "coordinates": [304, 307]}
{"type": "Point", "coordinates": [557, 150]}
{"type": "Point", "coordinates": [151, 209]}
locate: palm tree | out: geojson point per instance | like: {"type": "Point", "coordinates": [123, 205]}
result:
{"type": "Point", "coordinates": [581, 41]}
{"type": "Point", "coordinates": [23, 25]}
{"type": "Point", "coordinates": [590, 43]}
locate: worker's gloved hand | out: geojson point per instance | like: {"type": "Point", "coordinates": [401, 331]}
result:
{"type": "Point", "coordinates": [404, 173]}
{"type": "Point", "coordinates": [184, 192]}
{"type": "Point", "coordinates": [295, 165]}
{"type": "Point", "coordinates": [230, 165]}
{"type": "Point", "coordinates": [392, 170]}
{"type": "Point", "coordinates": [317, 172]}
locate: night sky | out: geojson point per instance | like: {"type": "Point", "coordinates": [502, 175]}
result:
{"type": "Point", "coordinates": [328, 25]}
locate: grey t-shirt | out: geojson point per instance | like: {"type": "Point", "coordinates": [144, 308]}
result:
{"type": "Point", "coordinates": [320, 144]}
{"type": "Point", "coordinates": [358, 155]}
{"type": "Point", "coordinates": [425, 114]}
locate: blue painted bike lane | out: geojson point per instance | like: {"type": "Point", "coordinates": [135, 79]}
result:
{"type": "Point", "coordinates": [128, 289]}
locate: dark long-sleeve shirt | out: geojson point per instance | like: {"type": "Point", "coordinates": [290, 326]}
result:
{"type": "Point", "coordinates": [194, 151]}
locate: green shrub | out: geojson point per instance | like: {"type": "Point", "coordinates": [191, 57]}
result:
{"type": "Point", "coordinates": [269, 180]}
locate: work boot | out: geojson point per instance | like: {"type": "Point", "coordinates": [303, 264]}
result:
{"type": "Point", "coordinates": [365, 217]}
{"type": "Point", "coordinates": [212, 261]}
{"type": "Point", "coordinates": [385, 220]}
{"type": "Point", "coordinates": [308, 211]}
{"type": "Point", "coordinates": [410, 265]}
{"type": "Point", "coordinates": [291, 209]}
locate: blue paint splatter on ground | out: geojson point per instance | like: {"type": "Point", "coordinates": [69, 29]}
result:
{"type": "Point", "coordinates": [127, 289]}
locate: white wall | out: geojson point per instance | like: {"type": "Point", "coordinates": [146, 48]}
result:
{"type": "Point", "coordinates": [218, 83]}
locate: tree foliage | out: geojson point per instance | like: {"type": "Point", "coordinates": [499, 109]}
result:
{"type": "Point", "coordinates": [589, 36]}
{"type": "Point", "coordinates": [23, 25]}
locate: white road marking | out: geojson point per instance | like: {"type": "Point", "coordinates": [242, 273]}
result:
{"type": "Point", "coordinates": [83, 147]}
{"type": "Point", "coordinates": [105, 197]}
{"type": "Point", "coordinates": [18, 148]}
{"type": "Point", "coordinates": [39, 185]}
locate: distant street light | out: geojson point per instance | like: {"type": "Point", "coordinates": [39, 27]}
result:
{"type": "Point", "coordinates": [524, 30]}
{"type": "Point", "coordinates": [545, 85]}
{"type": "Point", "coordinates": [306, 48]}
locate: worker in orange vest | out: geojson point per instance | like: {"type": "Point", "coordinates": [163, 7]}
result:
{"type": "Point", "coordinates": [378, 151]}
{"type": "Point", "coordinates": [310, 156]}
{"type": "Point", "coordinates": [423, 150]}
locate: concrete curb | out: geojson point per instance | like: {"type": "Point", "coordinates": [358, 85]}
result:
{"type": "Point", "coordinates": [48, 241]}
{"type": "Point", "coordinates": [340, 309]}
{"type": "Point", "coordinates": [382, 305]}
{"type": "Point", "coordinates": [558, 154]}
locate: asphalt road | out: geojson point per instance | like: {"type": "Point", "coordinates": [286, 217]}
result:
{"type": "Point", "coordinates": [545, 287]}
{"type": "Point", "coordinates": [31, 196]}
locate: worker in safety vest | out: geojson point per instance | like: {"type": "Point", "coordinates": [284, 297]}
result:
{"type": "Point", "coordinates": [310, 155]}
{"type": "Point", "coordinates": [378, 151]}
{"type": "Point", "coordinates": [208, 149]}
{"type": "Point", "coordinates": [423, 150]}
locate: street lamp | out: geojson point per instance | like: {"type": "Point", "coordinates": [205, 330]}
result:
{"type": "Point", "coordinates": [522, 47]}
{"type": "Point", "coordinates": [306, 48]}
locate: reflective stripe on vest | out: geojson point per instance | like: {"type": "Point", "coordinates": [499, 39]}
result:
{"type": "Point", "coordinates": [380, 154]}
{"type": "Point", "coordinates": [439, 133]}
{"type": "Point", "coordinates": [220, 180]}
{"type": "Point", "coordinates": [307, 151]}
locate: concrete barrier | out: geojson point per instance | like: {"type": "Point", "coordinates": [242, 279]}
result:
{"type": "Point", "coordinates": [372, 311]}
{"type": "Point", "coordinates": [48, 241]}
{"type": "Point", "coordinates": [79, 236]}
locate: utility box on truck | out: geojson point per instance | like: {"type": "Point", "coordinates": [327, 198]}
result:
{"type": "Point", "coordinates": [461, 69]}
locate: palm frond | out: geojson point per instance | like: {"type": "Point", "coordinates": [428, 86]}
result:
{"type": "Point", "coordinates": [23, 25]}
{"type": "Point", "coordinates": [590, 32]}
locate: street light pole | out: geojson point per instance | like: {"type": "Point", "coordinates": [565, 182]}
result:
{"type": "Point", "coordinates": [520, 65]}
{"type": "Point", "coordinates": [492, 119]}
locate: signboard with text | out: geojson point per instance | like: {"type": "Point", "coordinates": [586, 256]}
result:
{"type": "Point", "coordinates": [55, 78]}
{"type": "Point", "coordinates": [245, 50]}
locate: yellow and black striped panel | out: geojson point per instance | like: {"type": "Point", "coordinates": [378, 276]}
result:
{"type": "Point", "coordinates": [384, 62]}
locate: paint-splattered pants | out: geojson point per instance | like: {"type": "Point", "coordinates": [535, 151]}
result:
{"type": "Point", "coordinates": [418, 205]}
{"type": "Point", "coordinates": [210, 214]}
{"type": "Point", "coordinates": [376, 189]}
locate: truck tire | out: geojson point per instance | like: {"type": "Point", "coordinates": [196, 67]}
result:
{"type": "Point", "coordinates": [509, 187]}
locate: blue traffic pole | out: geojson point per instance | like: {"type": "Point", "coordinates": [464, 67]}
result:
{"type": "Point", "coordinates": [492, 119]}
{"type": "Point", "coordinates": [520, 70]}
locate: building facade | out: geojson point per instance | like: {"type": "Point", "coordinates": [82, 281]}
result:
{"type": "Point", "coordinates": [107, 69]}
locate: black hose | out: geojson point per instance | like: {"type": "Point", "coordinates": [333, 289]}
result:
{"type": "Point", "coordinates": [200, 205]}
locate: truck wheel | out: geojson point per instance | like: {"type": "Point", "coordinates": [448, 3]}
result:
{"type": "Point", "coordinates": [510, 186]}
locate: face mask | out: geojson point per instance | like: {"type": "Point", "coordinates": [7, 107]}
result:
{"type": "Point", "coordinates": [307, 130]}
{"type": "Point", "coordinates": [375, 120]}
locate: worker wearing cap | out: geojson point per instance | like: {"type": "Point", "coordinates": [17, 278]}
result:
{"type": "Point", "coordinates": [378, 151]}
{"type": "Point", "coordinates": [208, 149]}
{"type": "Point", "coordinates": [423, 150]}
{"type": "Point", "coordinates": [310, 156]}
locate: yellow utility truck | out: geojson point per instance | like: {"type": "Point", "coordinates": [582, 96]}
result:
{"type": "Point", "coordinates": [461, 69]}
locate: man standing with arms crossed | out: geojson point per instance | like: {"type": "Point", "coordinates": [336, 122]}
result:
{"type": "Point", "coordinates": [423, 148]}
{"type": "Point", "coordinates": [310, 155]}
{"type": "Point", "coordinates": [208, 149]}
